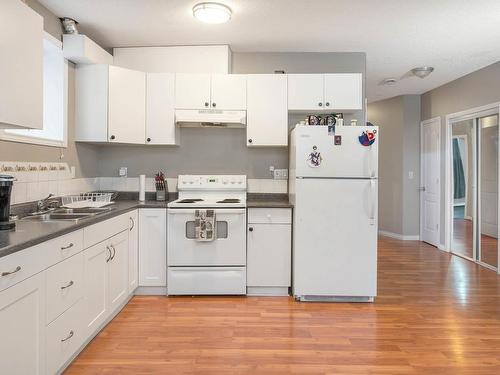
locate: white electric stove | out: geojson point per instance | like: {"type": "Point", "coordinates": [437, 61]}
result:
{"type": "Point", "coordinates": [207, 267]}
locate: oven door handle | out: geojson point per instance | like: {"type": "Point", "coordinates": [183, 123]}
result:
{"type": "Point", "coordinates": [218, 211]}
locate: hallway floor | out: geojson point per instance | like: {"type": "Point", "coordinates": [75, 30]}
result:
{"type": "Point", "coordinates": [435, 314]}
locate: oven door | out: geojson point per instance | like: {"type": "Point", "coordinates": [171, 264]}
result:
{"type": "Point", "coordinates": [228, 248]}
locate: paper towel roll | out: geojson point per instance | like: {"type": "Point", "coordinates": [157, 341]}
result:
{"type": "Point", "coordinates": [142, 187]}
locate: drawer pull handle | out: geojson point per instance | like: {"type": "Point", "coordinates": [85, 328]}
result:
{"type": "Point", "coordinates": [67, 286]}
{"type": "Point", "coordinates": [71, 334]}
{"type": "Point", "coordinates": [68, 247]}
{"type": "Point", "coordinates": [18, 268]}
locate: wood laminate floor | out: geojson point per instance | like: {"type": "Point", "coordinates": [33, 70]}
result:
{"type": "Point", "coordinates": [463, 242]}
{"type": "Point", "coordinates": [435, 314]}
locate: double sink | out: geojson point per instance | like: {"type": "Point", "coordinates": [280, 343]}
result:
{"type": "Point", "coordinates": [66, 214]}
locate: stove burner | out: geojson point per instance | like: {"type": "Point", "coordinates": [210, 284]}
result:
{"type": "Point", "coordinates": [193, 200]}
{"type": "Point", "coordinates": [229, 200]}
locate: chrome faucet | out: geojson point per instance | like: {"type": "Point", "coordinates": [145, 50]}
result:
{"type": "Point", "coordinates": [47, 204]}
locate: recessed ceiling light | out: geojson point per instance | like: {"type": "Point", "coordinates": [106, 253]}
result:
{"type": "Point", "coordinates": [212, 12]}
{"type": "Point", "coordinates": [389, 82]}
{"type": "Point", "coordinates": [422, 71]}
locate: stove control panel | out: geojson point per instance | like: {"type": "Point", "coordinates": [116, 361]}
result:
{"type": "Point", "coordinates": [212, 182]}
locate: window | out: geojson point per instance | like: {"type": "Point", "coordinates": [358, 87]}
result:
{"type": "Point", "coordinates": [55, 97]}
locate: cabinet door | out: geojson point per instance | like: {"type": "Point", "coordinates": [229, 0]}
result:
{"type": "Point", "coordinates": [192, 91]}
{"type": "Point", "coordinates": [22, 323]}
{"type": "Point", "coordinates": [127, 105]}
{"type": "Point", "coordinates": [160, 114]}
{"type": "Point", "coordinates": [305, 92]}
{"type": "Point", "coordinates": [21, 66]}
{"type": "Point", "coordinates": [267, 112]}
{"type": "Point", "coordinates": [269, 252]}
{"type": "Point", "coordinates": [95, 285]}
{"type": "Point", "coordinates": [152, 247]}
{"type": "Point", "coordinates": [133, 252]}
{"type": "Point", "coordinates": [344, 91]}
{"type": "Point", "coordinates": [118, 270]}
{"type": "Point", "coordinates": [229, 91]}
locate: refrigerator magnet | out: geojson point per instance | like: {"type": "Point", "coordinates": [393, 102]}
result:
{"type": "Point", "coordinates": [331, 129]}
{"type": "Point", "coordinates": [314, 159]}
{"type": "Point", "coordinates": [337, 140]}
{"type": "Point", "coordinates": [367, 138]}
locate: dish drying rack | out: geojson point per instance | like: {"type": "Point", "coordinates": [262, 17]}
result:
{"type": "Point", "coordinates": [93, 199]}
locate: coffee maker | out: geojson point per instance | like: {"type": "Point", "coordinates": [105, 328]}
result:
{"type": "Point", "coordinates": [6, 183]}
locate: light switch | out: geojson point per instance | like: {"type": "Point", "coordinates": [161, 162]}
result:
{"type": "Point", "coordinates": [123, 172]}
{"type": "Point", "coordinates": [411, 175]}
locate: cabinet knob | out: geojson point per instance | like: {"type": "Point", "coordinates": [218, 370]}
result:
{"type": "Point", "coordinates": [214, 105]}
{"type": "Point", "coordinates": [320, 104]}
{"type": "Point", "coordinates": [250, 141]}
{"type": "Point", "coordinates": [327, 104]}
{"type": "Point", "coordinates": [250, 229]}
{"type": "Point", "coordinates": [112, 137]}
{"type": "Point", "coordinates": [149, 139]}
{"type": "Point", "coordinates": [206, 104]}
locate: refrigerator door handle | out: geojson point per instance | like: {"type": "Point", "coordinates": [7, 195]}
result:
{"type": "Point", "coordinates": [371, 170]}
{"type": "Point", "coordinates": [373, 199]}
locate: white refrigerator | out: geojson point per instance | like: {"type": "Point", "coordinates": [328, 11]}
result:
{"type": "Point", "coordinates": [334, 188]}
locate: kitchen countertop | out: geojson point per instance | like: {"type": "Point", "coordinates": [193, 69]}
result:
{"type": "Point", "coordinates": [31, 233]}
{"type": "Point", "coordinates": [256, 200]}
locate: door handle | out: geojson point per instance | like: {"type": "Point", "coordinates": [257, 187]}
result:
{"type": "Point", "coordinates": [70, 335]}
{"type": "Point", "coordinates": [373, 200]}
{"type": "Point", "coordinates": [70, 245]}
{"type": "Point", "coordinates": [421, 188]}
{"type": "Point", "coordinates": [114, 252]}
{"type": "Point", "coordinates": [67, 286]}
{"type": "Point", "coordinates": [109, 258]}
{"type": "Point", "coordinates": [133, 223]}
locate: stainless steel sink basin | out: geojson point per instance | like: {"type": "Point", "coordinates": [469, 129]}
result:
{"type": "Point", "coordinates": [67, 214]}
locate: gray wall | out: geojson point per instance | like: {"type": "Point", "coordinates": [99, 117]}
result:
{"type": "Point", "coordinates": [225, 150]}
{"type": "Point", "coordinates": [83, 157]}
{"type": "Point", "coordinates": [398, 119]}
{"type": "Point", "coordinates": [473, 90]}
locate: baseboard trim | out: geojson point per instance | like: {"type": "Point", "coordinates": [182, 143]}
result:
{"type": "Point", "coordinates": [442, 247]}
{"type": "Point", "coordinates": [151, 291]}
{"type": "Point", "coordinates": [398, 236]}
{"type": "Point", "coordinates": [263, 291]}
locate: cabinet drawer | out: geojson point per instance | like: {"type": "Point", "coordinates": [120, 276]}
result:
{"type": "Point", "coordinates": [99, 232]}
{"type": "Point", "coordinates": [206, 280]}
{"type": "Point", "coordinates": [64, 336]}
{"type": "Point", "coordinates": [269, 216]}
{"type": "Point", "coordinates": [64, 247]}
{"type": "Point", "coordinates": [21, 265]}
{"type": "Point", "coordinates": [64, 285]}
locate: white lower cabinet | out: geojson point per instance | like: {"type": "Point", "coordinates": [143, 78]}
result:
{"type": "Point", "coordinates": [22, 325]}
{"type": "Point", "coordinates": [153, 247]}
{"type": "Point", "coordinates": [106, 279]}
{"type": "Point", "coordinates": [133, 251]}
{"type": "Point", "coordinates": [118, 271]}
{"type": "Point", "coordinates": [64, 337]}
{"type": "Point", "coordinates": [269, 250]}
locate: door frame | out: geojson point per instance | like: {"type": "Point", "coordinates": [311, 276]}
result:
{"type": "Point", "coordinates": [485, 110]}
{"type": "Point", "coordinates": [421, 221]}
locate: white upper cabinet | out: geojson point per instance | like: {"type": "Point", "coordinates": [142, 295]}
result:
{"type": "Point", "coordinates": [192, 91]}
{"type": "Point", "coordinates": [21, 66]}
{"type": "Point", "coordinates": [110, 104]}
{"type": "Point", "coordinates": [325, 92]}
{"type": "Point", "coordinates": [267, 112]}
{"type": "Point", "coordinates": [160, 114]}
{"type": "Point", "coordinates": [305, 92]}
{"type": "Point", "coordinates": [229, 91]}
{"type": "Point", "coordinates": [127, 112]}
{"type": "Point", "coordinates": [344, 91]}
{"type": "Point", "coordinates": [204, 91]}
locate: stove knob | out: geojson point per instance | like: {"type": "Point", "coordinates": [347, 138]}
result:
{"type": "Point", "coordinates": [240, 182]}
{"type": "Point", "coordinates": [232, 182]}
{"type": "Point", "coordinates": [224, 182]}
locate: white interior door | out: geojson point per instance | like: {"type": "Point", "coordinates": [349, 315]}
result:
{"type": "Point", "coordinates": [430, 181]}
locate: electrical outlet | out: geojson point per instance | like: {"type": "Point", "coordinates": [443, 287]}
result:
{"type": "Point", "coordinates": [123, 172]}
{"type": "Point", "coordinates": [280, 174]}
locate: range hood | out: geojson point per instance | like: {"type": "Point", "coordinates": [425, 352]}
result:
{"type": "Point", "coordinates": [210, 117]}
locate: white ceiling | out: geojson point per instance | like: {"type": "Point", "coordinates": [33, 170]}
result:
{"type": "Point", "coordinates": [455, 36]}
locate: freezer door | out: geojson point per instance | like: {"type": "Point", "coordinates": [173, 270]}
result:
{"type": "Point", "coordinates": [345, 158]}
{"type": "Point", "coordinates": [335, 238]}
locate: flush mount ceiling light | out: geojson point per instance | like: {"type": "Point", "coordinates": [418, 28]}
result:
{"type": "Point", "coordinates": [422, 71]}
{"type": "Point", "coordinates": [212, 12]}
{"type": "Point", "coordinates": [389, 82]}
